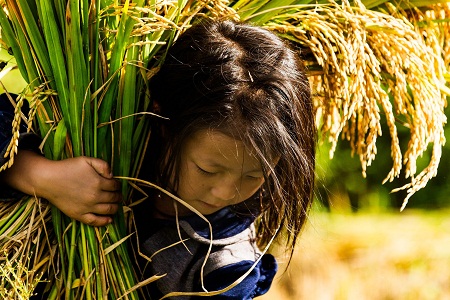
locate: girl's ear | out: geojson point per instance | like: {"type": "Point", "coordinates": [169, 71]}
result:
{"type": "Point", "coordinates": [156, 108]}
{"type": "Point", "coordinates": [163, 132]}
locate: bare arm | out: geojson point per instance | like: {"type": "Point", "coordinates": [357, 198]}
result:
{"type": "Point", "coordinates": [83, 188]}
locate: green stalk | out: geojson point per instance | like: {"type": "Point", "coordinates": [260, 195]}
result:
{"type": "Point", "coordinates": [240, 4]}
{"type": "Point", "coordinates": [116, 266]}
{"type": "Point", "coordinates": [60, 9]}
{"type": "Point", "coordinates": [128, 108]}
{"type": "Point", "coordinates": [377, 4]}
{"type": "Point", "coordinates": [85, 254]}
{"type": "Point", "coordinates": [141, 129]}
{"type": "Point", "coordinates": [76, 69]}
{"type": "Point", "coordinates": [268, 11]}
{"type": "Point", "coordinates": [10, 220]}
{"type": "Point", "coordinates": [23, 52]}
{"type": "Point", "coordinates": [57, 60]}
{"type": "Point", "coordinates": [53, 293]}
{"type": "Point", "coordinates": [29, 25]}
{"type": "Point", "coordinates": [112, 277]}
{"type": "Point", "coordinates": [57, 224]}
{"type": "Point", "coordinates": [71, 261]}
{"type": "Point", "coordinates": [115, 64]}
{"type": "Point", "coordinates": [251, 7]}
{"type": "Point", "coordinates": [94, 14]}
{"type": "Point", "coordinates": [59, 140]}
{"type": "Point", "coordinates": [8, 36]}
{"type": "Point", "coordinates": [93, 248]}
{"type": "Point", "coordinates": [87, 110]}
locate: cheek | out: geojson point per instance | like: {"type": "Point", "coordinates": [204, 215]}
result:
{"type": "Point", "coordinates": [190, 184]}
{"type": "Point", "coordinates": [250, 189]}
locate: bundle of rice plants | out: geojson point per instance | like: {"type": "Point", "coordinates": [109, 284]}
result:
{"type": "Point", "coordinates": [85, 63]}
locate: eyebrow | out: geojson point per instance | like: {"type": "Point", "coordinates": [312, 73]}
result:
{"type": "Point", "coordinates": [219, 166]}
{"type": "Point", "coordinates": [255, 171]}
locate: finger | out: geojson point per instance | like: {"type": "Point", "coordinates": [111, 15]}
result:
{"type": "Point", "coordinates": [100, 166]}
{"type": "Point", "coordinates": [110, 185]}
{"type": "Point", "coordinates": [95, 220]}
{"type": "Point", "coordinates": [105, 209]}
{"type": "Point", "coordinates": [108, 198]}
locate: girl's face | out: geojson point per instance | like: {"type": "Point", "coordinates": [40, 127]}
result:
{"type": "Point", "coordinates": [216, 171]}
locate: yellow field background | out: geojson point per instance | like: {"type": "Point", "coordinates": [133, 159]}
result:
{"type": "Point", "coordinates": [369, 256]}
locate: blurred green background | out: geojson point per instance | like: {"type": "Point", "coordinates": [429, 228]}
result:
{"type": "Point", "coordinates": [10, 79]}
{"type": "Point", "coordinates": [340, 184]}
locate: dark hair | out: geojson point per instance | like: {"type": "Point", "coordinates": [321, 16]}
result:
{"type": "Point", "coordinates": [248, 83]}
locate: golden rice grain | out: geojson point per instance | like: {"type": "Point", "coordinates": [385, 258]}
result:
{"type": "Point", "coordinates": [374, 63]}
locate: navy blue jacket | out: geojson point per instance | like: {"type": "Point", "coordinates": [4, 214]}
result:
{"type": "Point", "coordinates": [233, 253]}
{"type": "Point", "coordinates": [27, 141]}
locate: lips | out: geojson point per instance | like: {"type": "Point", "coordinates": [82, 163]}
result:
{"type": "Point", "coordinates": [210, 205]}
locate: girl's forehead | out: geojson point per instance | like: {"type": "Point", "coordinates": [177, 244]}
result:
{"type": "Point", "coordinates": [216, 147]}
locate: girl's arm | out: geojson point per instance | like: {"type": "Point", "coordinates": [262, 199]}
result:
{"type": "Point", "coordinates": [83, 188]}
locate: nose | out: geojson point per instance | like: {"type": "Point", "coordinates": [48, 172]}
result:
{"type": "Point", "coordinates": [224, 191]}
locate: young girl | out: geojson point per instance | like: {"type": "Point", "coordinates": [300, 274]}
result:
{"type": "Point", "coordinates": [238, 148]}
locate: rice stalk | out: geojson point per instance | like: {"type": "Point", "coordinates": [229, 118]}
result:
{"type": "Point", "coordinates": [13, 146]}
{"type": "Point", "coordinates": [26, 248]}
{"type": "Point", "coordinates": [12, 283]}
{"type": "Point", "coordinates": [371, 63]}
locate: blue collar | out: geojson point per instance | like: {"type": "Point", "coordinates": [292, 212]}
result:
{"type": "Point", "coordinates": [225, 223]}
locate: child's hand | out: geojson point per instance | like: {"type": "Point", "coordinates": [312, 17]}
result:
{"type": "Point", "coordinates": [83, 188]}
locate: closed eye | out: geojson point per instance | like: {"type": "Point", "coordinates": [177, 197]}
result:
{"type": "Point", "coordinates": [255, 177]}
{"type": "Point", "coordinates": [203, 171]}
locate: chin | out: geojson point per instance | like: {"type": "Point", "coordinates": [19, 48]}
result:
{"type": "Point", "coordinates": [209, 212]}
{"type": "Point", "coordinates": [207, 209]}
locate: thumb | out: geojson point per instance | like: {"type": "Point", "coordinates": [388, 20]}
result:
{"type": "Point", "coordinates": [101, 167]}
